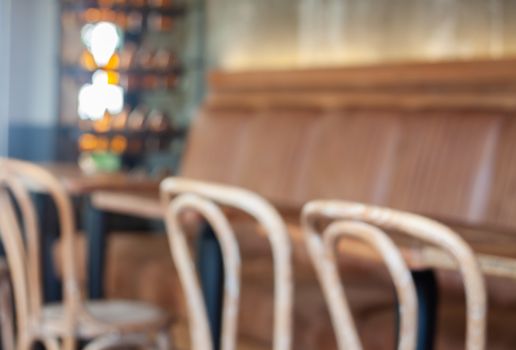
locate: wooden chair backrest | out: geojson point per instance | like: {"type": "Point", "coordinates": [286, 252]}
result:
{"type": "Point", "coordinates": [322, 253]}
{"type": "Point", "coordinates": [410, 224]}
{"type": "Point", "coordinates": [18, 180]}
{"type": "Point", "coordinates": [180, 195]}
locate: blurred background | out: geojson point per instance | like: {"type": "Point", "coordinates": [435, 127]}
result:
{"type": "Point", "coordinates": [148, 59]}
{"type": "Point", "coordinates": [111, 86]}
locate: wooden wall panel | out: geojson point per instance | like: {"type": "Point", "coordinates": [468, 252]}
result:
{"type": "Point", "coordinates": [440, 162]}
{"type": "Point", "coordinates": [272, 152]}
{"type": "Point", "coordinates": [502, 201]}
{"type": "Point", "coordinates": [350, 158]}
{"type": "Point", "coordinates": [433, 138]}
{"type": "Point", "coordinates": [214, 145]}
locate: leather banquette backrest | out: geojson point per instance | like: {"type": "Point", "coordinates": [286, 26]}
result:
{"type": "Point", "coordinates": [437, 139]}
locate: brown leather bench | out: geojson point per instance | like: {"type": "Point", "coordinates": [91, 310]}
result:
{"type": "Point", "coordinates": [436, 139]}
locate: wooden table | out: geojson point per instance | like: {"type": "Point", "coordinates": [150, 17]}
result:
{"type": "Point", "coordinates": [79, 185]}
{"type": "Point", "coordinates": [494, 248]}
{"type": "Point", "coordinates": [77, 182]}
{"type": "Point", "coordinates": [495, 253]}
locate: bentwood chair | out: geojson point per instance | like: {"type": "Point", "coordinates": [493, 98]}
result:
{"type": "Point", "coordinates": [366, 223]}
{"type": "Point", "coordinates": [214, 203]}
{"type": "Point", "coordinates": [61, 325]}
{"type": "Point", "coordinates": [6, 307]}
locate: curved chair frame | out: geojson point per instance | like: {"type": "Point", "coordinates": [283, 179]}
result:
{"type": "Point", "coordinates": [6, 308]}
{"type": "Point", "coordinates": [180, 195]}
{"type": "Point", "coordinates": [16, 178]}
{"type": "Point", "coordinates": [421, 228]}
{"type": "Point", "coordinates": [322, 253]}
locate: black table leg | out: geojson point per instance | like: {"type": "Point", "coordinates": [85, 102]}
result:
{"type": "Point", "coordinates": [211, 274]}
{"type": "Point", "coordinates": [48, 225]}
{"type": "Point", "coordinates": [427, 297]}
{"type": "Point", "coordinates": [52, 290]}
{"type": "Point", "coordinates": [96, 230]}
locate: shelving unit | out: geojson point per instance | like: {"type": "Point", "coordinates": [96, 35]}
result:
{"type": "Point", "coordinates": [83, 76]}
{"type": "Point", "coordinates": [78, 6]}
{"type": "Point", "coordinates": [152, 87]}
{"type": "Point", "coordinates": [78, 70]}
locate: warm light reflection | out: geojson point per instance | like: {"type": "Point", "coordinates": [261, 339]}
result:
{"type": "Point", "coordinates": [87, 61]}
{"type": "Point", "coordinates": [102, 39]}
{"type": "Point", "coordinates": [102, 125]}
{"type": "Point", "coordinates": [113, 63]}
{"type": "Point", "coordinates": [102, 144]}
{"type": "Point", "coordinates": [103, 95]}
{"type": "Point", "coordinates": [100, 96]}
{"type": "Point", "coordinates": [246, 34]}
{"type": "Point", "coordinates": [118, 144]}
{"type": "Point", "coordinates": [87, 142]}
{"type": "Point", "coordinates": [113, 77]}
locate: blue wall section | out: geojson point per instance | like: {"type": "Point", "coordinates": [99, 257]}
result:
{"type": "Point", "coordinates": [31, 84]}
{"type": "Point", "coordinates": [42, 143]}
{"type": "Point", "coordinates": [34, 143]}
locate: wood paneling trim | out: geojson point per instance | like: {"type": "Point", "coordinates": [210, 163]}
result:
{"type": "Point", "coordinates": [454, 74]}
{"type": "Point", "coordinates": [331, 100]}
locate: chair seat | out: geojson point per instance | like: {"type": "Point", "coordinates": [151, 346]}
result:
{"type": "Point", "coordinates": [105, 316]}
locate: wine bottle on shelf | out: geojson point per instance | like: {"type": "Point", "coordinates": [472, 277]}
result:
{"type": "Point", "coordinates": [119, 121]}
{"type": "Point", "coordinates": [143, 58]}
{"type": "Point", "coordinates": [150, 81]}
{"type": "Point", "coordinates": [118, 144]}
{"type": "Point", "coordinates": [137, 3]}
{"type": "Point", "coordinates": [158, 22]}
{"type": "Point", "coordinates": [160, 3]}
{"type": "Point", "coordinates": [127, 56]}
{"type": "Point", "coordinates": [136, 119]}
{"type": "Point", "coordinates": [130, 82]}
{"type": "Point", "coordinates": [163, 59]}
{"type": "Point", "coordinates": [134, 22]}
{"type": "Point", "coordinates": [87, 142]}
{"type": "Point", "coordinates": [102, 143]}
{"type": "Point", "coordinates": [104, 124]}
{"type": "Point", "coordinates": [170, 81]}
{"type": "Point", "coordinates": [121, 20]}
{"type": "Point", "coordinates": [105, 3]}
{"type": "Point", "coordinates": [157, 121]}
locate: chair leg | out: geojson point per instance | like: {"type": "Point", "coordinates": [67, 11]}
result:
{"type": "Point", "coordinates": [6, 316]}
{"type": "Point", "coordinates": [112, 340]}
{"type": "Point", "coordinates": [104, 342]}
{"type": "Point", "coordinates": [164, 340]}
{"type": "Point", "coordinates": [51, 344]}
{"type": "Point", "coordinates": [69, 343]}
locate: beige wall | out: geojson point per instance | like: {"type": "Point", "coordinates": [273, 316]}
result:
{"type": "Point", "coordinates": [244, 34]}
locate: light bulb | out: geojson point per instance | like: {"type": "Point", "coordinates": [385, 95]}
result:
{"type": "Point", "coordinates": [102, 40]}
{"type": "Point", "coordinates": [100, 96]}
